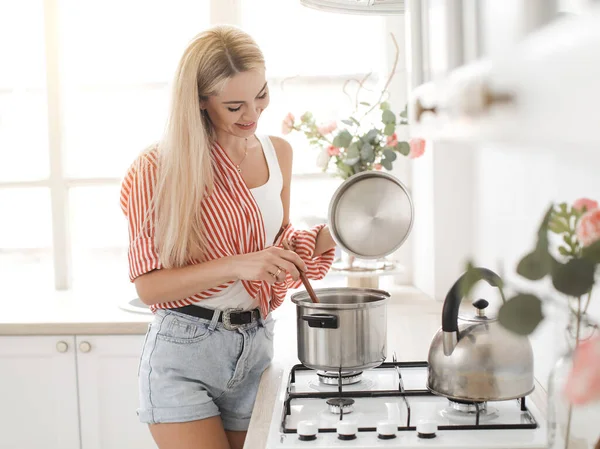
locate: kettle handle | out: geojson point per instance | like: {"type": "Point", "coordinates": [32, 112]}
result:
{"type": "Point", "coordinates": [454, 298]}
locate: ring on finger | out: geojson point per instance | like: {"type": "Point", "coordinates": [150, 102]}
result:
{"type": "Point", "coordinates": [278, 272]}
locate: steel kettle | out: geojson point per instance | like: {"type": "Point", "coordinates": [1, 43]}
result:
{"type": "Point", "coordinates": [478, 360]}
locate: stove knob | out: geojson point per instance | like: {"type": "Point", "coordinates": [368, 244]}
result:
{"type": "Point", "coordinates": [386, 430]}
{"type": "Point", "coordinates": [347, 430]}
{"type": "Point", "coordinates": [307, 431]}
{"type": "Point", "coordinates": [426, 428]}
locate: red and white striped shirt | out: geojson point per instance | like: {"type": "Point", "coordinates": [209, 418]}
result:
{"type": "Point", "coordinates": [233, 223]}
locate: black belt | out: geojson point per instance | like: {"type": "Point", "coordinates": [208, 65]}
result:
{"type": "Point", "coordinates": [230, 318]}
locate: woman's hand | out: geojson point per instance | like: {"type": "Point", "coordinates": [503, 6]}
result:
{"type": "Point", "coordinates": [269, 265]}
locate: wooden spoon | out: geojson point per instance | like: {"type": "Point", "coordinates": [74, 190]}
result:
{"type": "Point", "coordinates": [304, 279]}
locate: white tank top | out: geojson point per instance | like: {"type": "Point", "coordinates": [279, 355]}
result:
{"type": "Point", "coordinates": [268, 199]}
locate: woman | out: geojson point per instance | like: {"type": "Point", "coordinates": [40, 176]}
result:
{"type": "Point", "coordinates": [208, 212]}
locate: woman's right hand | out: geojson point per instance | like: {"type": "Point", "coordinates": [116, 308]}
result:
{"type": "Point", "coordinates": [269, 265]}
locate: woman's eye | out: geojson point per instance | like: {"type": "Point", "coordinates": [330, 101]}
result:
{"type": "Point", "coordinates": [263, 96]}
{"type": "Point", "coordinates": [235, 109]}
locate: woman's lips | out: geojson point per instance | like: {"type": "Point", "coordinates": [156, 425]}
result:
{"type": "Point", "coordinates": [246, 126]}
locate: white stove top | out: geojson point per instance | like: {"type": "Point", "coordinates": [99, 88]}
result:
{"type": "Point", "coordinates": [377, 399]}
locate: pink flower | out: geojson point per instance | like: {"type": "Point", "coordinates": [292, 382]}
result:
{"type": "Point", "coordinates": [327, 129]}
{"type": "Point", "coordinates": [583, 384]}
{"type": "Point", "coordinates": [417, 147]}
{"type": "Point", "coordinates": [588, 228]}
{"type": "Point", "coordinates": [333, 151]}
{"type": "Point", "coordinates": [377, 166]}
{"type": "Point", "coordinates": [288, 123]}
{"type": "Point", "coordinates": [585, 203]}
{"type": "Point", "coordinates": [392, 140]}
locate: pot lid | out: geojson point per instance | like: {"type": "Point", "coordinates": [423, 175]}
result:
{"type": "Point", "coordinates": [371, 214]}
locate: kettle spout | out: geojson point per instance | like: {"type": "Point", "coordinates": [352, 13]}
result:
{"type": "Point", "coordinates": [449, 340]}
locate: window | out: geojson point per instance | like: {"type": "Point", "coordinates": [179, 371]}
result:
{"type": "Point", "coordinates": [84, 88]}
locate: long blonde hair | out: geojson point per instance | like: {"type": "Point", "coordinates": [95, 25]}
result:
{"type": "Point", "coordinates": [185, 174]}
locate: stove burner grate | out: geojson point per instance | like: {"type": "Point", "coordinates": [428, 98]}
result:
{"type": "Point", "coordinates": [528, 421]}
{"type": "Point", "coordinates": [339, 406]}
{"type": "Point", "coordinates": [333, 378]}
{"type": "Point", "coordinates": [470, 407]}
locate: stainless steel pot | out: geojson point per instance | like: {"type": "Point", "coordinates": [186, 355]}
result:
{"type": "Point", "coordinates": [346, 331]}
{"type": "Point", "coordinates": [478, 359]}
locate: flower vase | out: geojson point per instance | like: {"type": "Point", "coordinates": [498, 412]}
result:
{"type": "Point", "coordinates": [571, 426]}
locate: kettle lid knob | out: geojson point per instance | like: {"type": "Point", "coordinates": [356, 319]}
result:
{"type": "Point", "coordinates": [481, 304]}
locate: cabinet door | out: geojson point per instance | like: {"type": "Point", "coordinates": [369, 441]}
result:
{"type": "Point", "coordinates": [38, 393]}
{"type": "Point", "coordinates": [107, 367]}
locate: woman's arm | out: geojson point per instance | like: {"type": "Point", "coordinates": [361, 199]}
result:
{"type": "Point", "coordinates": [172, 284]}
{"type": "Point", "coordinates": [285, 156]}
{"type": "Point", "coordinates": [324, 242]}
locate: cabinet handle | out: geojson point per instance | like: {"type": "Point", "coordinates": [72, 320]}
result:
{"type": "Point", "coordinates": [420, 110]}
{"type": "Point", "coordinates": [490, 98]}
{"type": "Point", "coordinates": [62, 346]}
{"type": "Point", "coordinates": [85, 346]}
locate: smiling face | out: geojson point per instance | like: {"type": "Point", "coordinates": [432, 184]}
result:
{"type": "Point", "coordinates": [237, 108]}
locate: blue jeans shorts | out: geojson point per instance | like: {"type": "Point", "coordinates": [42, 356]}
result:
{"type": "Point", "coordinates": [192, 369]}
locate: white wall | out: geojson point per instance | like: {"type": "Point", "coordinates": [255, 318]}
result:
{"type": "Point", "coordinates": [488, 203]}
{"type": "Point", "coordinates": [514, 188]}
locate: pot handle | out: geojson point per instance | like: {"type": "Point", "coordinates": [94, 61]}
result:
{"type": "Point", "coordinates": [453, 298]}
{"type": "Point", "coordinates": [322, 320]}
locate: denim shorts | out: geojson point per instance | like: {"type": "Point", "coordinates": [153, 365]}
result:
{"type": "Point", "coordinates": [192, 369]}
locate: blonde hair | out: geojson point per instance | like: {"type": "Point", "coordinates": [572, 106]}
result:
{"type": "Point", "coordinates": [185, 174]}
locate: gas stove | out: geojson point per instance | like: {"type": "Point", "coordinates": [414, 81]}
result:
{"type": "Point", "coordinates": [391, 407]}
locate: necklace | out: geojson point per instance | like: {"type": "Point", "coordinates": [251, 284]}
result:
{"type": "Point", "coordinates": [237, 166]}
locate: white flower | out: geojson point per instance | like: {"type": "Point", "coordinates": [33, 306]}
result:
{"type": "Point", "coordinates": [323, 159]}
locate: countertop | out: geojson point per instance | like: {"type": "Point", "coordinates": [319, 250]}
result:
{"type": "Point", "coordinates": [413, 319]}
{"type": "Point", "coordinates": [71, 313]}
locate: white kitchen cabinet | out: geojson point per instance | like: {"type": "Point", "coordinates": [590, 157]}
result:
{"type": "Point", "coordinates": [38, 393]}
{"type": "Point", "coordinates": [542, 92]}
{"type": "Point", "coordinates": [71, 392]}
{"type": "Point", "coordinates": [107, 367]}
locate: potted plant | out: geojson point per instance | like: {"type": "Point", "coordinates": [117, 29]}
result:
{"type": "Point", "coordinates": [366, 139]}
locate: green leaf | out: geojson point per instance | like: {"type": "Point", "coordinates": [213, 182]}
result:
{"type": "Point", "coordinates": [575, 278]}
{"type": "Point", "coordinates": [521, 314]}
{"type": "Point", "coordinates": [343, 139]}
{"type": "Point", "coordinates": [366, 153]}
{"type": "Point", "coordinates": [535, 265]}
{"type": "Point", "coordinates": [346, 170]}
{"type": "Point", "coordinates": [403, 148]}
{"type": "Point", "coordinates": [352, 155]}
{"type": "Point", "coordinates": [364, 103]}
{"type": "Point", "coordinates": [557, 226]}
{"type": "Point", "coordinates": [384, 106]}
{"type": "Point", "coordinates": [306, 117]}
{"type": "Point", "coordinates": [372, 135]}
{"type": "Point", "coordinates": [563, 251]}
{"type": "Point", "coordinates": [389, 129]}
{"type": "Point", "coordinates": [592, 252]}
{"type": "Point", "coordinates": [387, 164]}
{"type": "Point", "coordinates": [356, 122]}
{"type": "Point", "coordinates": [388, 117]}
{"type": "Point", "coordinates": [404, 114]}
{"type": "Point", "coordinates": [543, 229]}
{"type": "Point", "coordinates": [389, 155]}
{"type": "Point", "coordinates": [348, 122]}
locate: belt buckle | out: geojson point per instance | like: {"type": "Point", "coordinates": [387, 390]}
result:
{"type": "Point", "coordinates": [227, 319]}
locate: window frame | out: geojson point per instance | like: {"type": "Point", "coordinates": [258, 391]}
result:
{"type": "Point", "coordinates": [58, 183]}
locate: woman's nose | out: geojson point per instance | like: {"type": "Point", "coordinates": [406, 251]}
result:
{"type": "Point", "coordinates": [254, 112]}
